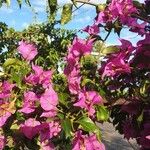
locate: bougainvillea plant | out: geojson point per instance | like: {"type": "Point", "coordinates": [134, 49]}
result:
{"type": "Point", "coordinates": [51, 108]}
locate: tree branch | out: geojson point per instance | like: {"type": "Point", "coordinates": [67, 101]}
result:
{"type": "Point", "coordinates": [140, 17]}
{"type": "Point", "coordinates": [85, 2]}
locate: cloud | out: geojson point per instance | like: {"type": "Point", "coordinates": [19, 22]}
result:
{"type": "Point", "coordinates": [5, 9]}
{"type": "Point", "coordinates": [13, 22]}
{"type": "Point", "coordinates": [25, 25]}
{"type": "Point", "coordinates": [81, 20]}
{"type": "Point", "coordinates": [39, 5]}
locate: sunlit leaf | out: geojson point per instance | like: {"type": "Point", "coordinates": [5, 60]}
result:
{"type": "Point", "coordinates": [7, 107]}
{"type": "Point", "coordinates": [52, 5]}
{"type": "Point", "coordinates": [66, 13]}
{"type": "Point", "coordinates": [87, 124]}
{"type": "Point", "coordinates": [109, 50]}
{"type": "Point", "coordinates": [67, 127]}
{"type": "Point", "coordinates": [28, 2]}
{"type": "Point", "coordinates": [19, 3]}
{"type": "Point", "coordinates": [8, 2]}
{"type": "Point", "coordinates": [10, 62]}
{"type": "Point", "coordinates": [102, 113]}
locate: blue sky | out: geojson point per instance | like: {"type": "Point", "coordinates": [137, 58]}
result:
{"type": "Point", "coordinates": [21, 18]}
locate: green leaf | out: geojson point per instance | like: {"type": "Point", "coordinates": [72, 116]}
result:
{"type": "Point", "coordinates": [10, 62]}
{"type": "Point", "coordinates": [60, 116]}
{"type": "Point", "coordinates": [110, 50]}
{"type": "Point", "coordinates": [8, 2]}
{"type": "Point", "coordinates": [87, 124]}
{"type": "Point", "coordinates": [28, 2]}
{"type": "Point", "coordinates": [52, 5]}
{"type": "Point", "coordinates": [1, 3]}
{"type": "Point", "coordinates": [63, 98]}
{"type": "Point", "coordinates": [140, 118]}
{"type": "Point", "coordinates": [19, 116]}
{"type": "Point", "coordinates": [102, 113]}
{"type": "Point", "coordinates": [67, 127]}
{"type": "Point", "coordinates": [66, 13]}
{"type": "Point", "coordinates": [117, 27]}
{"type": "Point", "coordinates": [100, 7]}
{"type": "Point", "coordinates": [19, 3]}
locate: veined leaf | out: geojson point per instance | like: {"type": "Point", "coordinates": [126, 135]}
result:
{"type": "Point", "coordinates": [110, 50]}
{"type": "Point", "coordinates": [8, 2]}
{"type": "Point", "coordinates": [28, 2]}
{"type": "Point", "coordinates": [87, 124]}
{"type": "Point", "coordinates": [19, 3]}
{"type": "Point", "coordinates": [66, 124]}
{"type": "Point", "coordinates": [52, 5]}
{"type": "Point", "coordinates": [10, 62]}
{"type": "Point", "coordinates": [102, 113]}
{"type": "Point", "coordinates": [66, 13]}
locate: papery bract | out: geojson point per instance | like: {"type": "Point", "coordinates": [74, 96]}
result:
{"type": "Point", "coordinates": [39, 77]}
{"type": "Point", "coordinates": [49, 130]}
{"type": "Point", "coordinates": [30, 99]}
{"type": "Point", "coordinates": [27, 50]}
{"type": "Point", "coordinates": [47, 145]}
{"type": "Point", "coordinates": [87, 142]}
{"type": "Point", "coordinates": [92, 143]}
{"type": "Point", "coordinates": [81, 47]}
{"type": "Point", "coordinates": [30, 128]}
{"type": "Point", "coordinates": [4, 118]}
{"type": "Point", "coordinates": [6, 89]}
{"type": "Point", "coordinates": [48, 101]}
{"type": "Point", "coordinates": [92, 30]}
{"type": "Point", "coordinates": [2, 142]}
{"type": "Point", "coordinates": [116, 66]}
{"type": "Point", "coordinates": [129, 130]}
{"type": "Point", "coordinates": [144, 141]}
{"type": "Point", "coordinates": [87, 100]}
{"type": "Point", "coordinates": [142, 55]}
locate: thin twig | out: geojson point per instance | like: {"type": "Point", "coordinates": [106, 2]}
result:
{"type": "Point", "coordinates": [107, 35]}
{"type": "Point", "coordinates": [85, 2]}
{"type": "Point", "coordinates": [140, 17]}
{"type": "Point", "coordinates": [131, 145]}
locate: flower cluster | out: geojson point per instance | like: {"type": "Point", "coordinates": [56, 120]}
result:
{"type": "Point", "coordinates": [52, 115]}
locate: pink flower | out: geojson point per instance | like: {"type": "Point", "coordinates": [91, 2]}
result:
{"type": "Point", "coordinates": [71, 65]}
{"type": "Point", "coordinates": [74, 84]}
{"type": "Point", "coordinates": [87, 100]}
{"type": "Point", "coordinates": [116, 66]}
{"type": "Point", "coordinates": [148, 137]}
{"type": "Point", "coordinates": [81, 47]}
{"type": "Point", "coordinates": [118, 9]}
{"type": "Point", "coordinates": [30, 128]}
{"type": "Point", "coordinates": [141, 57]}
{"type": "Point", "coordinates": [86, 142]}
{"type": "Point", "coordinates": [145, 136]}
{"type": "Point", "coordinates": [48, 101]}
{"type": "Point", "coordinates": [128, 130]}
{"type": "Point", "coordinates": [27, 50]}
{"type": "Point", "coordinates": [4, 118]}
{"type": "Point", "coordinates": [30, 99]}
{"type": "Point", "coordinates": [47, 145]}
{"type": "Point", "coordinates": [39, 77]}
{"type": "Point", "coordinates": [6, 89]}
{"type": "Point", "coordinates": [131, 108]}
{"type": "Point", "coordinates": [49, 130]}
{"type": "Point", "coordinates": [92, 143]}
{"type": "Point", "coordinates": [2, 142]}
{"type": "Point", "coordinates": [138, 28]}
{"type": "Point", "coordinates": [92, 30]}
